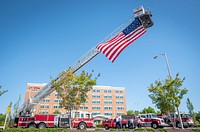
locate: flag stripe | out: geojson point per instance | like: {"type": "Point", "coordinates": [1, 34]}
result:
{"type": "Point", "coordinates": [122, 41]}
{"type": "Point", "coordinates": [113, 47]}
{"type": "Point", "coordinates": [117, 54]}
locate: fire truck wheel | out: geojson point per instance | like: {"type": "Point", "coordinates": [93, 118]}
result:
{"type": "Point", "coordinates": [178, 124]}
{"type": "Point", "coordinates": [82, 125]}
{"type": "Point", "coordinates": [155, 125]}
{"type": "Point", "coordinates": [42, 125]}
{"type": "Point", "coordinates": [106, 127]}
{"type": "Point", "coordinates": [31, 126]}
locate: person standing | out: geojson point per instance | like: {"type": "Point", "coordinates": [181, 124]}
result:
{"type": "Point", "coordinates": [117, 122]}
{"type": "Point", "coordinates": [120, 121]}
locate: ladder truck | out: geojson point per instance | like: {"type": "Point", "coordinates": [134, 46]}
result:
{"type": "Point", "coordinates": [141, 13]}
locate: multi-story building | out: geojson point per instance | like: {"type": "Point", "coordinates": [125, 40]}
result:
{"type": "Point", "coordinates": [102, 100]}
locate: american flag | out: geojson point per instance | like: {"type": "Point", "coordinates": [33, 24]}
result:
{"type": "Point", "coordinates": [113, 47]}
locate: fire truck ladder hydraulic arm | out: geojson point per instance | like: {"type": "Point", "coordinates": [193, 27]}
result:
{"type": "Point", "coordinates": [144, 16]}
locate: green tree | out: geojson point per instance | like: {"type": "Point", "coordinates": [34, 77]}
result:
{"type": "Point", "coordinates": [148, 110]}
{"type": "Point", "coordinates": [190, 106]}
{"type": "Point", "coordinates": [198, 116]}
{"type": "Point", "coordinates": [167, 94]}
{"type": "Point", "coordinates": [2, 92]}
{"type": "Point", "coordinates": [191, 109]}
{"type": "Point", "coordinates": [136, 112]}
{"type": "Point", "coordinates": [73, 89]}
{"type": "Point", "coordinates": [2, 118]}
{"type": "Point", "coordinates": [130, 112]}
{"type": "Point", "coordinates": [57, 112]}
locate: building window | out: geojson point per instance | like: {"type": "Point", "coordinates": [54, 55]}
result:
{"type": "Point", "coordinates": [107, 91]}
{"type": "Point", "coordinates": [82, 115]}
{"type": "Point", "coordinates": [119, 91]}
{"type": "Point", "coordinates": [119, 108]}
{"type": "Point", "coordinates": [56, 100]}
{"type": "Point", "coordinates": [41, 106]}
{"type": "Point", "coordinates": [107, 102]}
{"type": "Point", "coordinates": [107, 108]}
{"type": "Point", "coordinates": [119, 113]}
{"type": "Point", "coordinates": [96, 108]}
{"type": "Point", "coordinates": [55, 106]}
{"type": "Point", "coordinates": [86, 102]}
{"type": "Point", "coordinates": [119, 102]}
{"type": "Point", "coordinates": [47, 100]}
{"type": "Point", "coordinates": [95, 96]}
{"type": "Point", "coordinates": [43, 100]}
{"type": "Point", "coordinates": [108, 114]}
{"type": "Point", "coordinates": [85, 107]}
{"type": "Point", "coordinates": [95, 113]}
{"type": "Point", "coordinates": [60, 100]}
{"type": "Point", "coordinates": [107, 96]}
{"type": "Point", "coordinates": [95, 102]}
{"type": "Point", "coordinates": [95, 91]}
{"type": "Point", "coordinates": [119, 97]}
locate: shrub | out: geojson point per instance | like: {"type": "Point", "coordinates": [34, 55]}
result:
{"type": "Point", "coordinates": [150, 129]}
{"type": "Point", "coordinates": [197, 125]}
{"type": "Point", "coordinates": [139, 129]}
{"type": "Point", "coordinates": [112, 129]}
{"type": "Point", "coordinates": [99, 125]}
{"type": "Point", "coordinates": [196, 130]}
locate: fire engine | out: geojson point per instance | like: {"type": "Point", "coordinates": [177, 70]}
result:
{"type": "Point", "coordinates": [25, 120]}
{"type": "Point", "coordinates": [186, 119]}
{"type": "Point", "coordinates": [149, 120]}
{"type": "Point", "coordinates": [42, 121]}
{"type": "Point", "coordinates": [111, 123]}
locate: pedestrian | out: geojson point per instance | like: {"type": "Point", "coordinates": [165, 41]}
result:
{"type": "Point", "coordinates": [117, 121]}
{"type": "Point", "coordinates": [120, 121]}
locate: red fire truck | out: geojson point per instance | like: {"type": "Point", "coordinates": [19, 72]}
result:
{"type": "Point", "coordinates": [111, 123]}
{"type": "Point", "coordinates": [149, 120]}
{"type": "Point", "coordinates": [186, 120]}
{"type": "Point", "coordinates": [42, 121]}
{"type": "Point", "coordinates": [52, 120]}
{"type": "Point", "coordinates": [83, 123]}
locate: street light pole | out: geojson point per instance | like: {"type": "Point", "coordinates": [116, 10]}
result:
{"type": "Point", "coordinates": [169, 72]}
{"type": "Point", "coordinates": [168, 68]}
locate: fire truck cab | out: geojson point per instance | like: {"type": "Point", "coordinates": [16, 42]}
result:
{"type": "Point", "coordinates": [149, 120]}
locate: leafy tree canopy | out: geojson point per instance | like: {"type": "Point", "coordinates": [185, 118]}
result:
{"type": "Point", "coordinates": [167, 94]}
{"type": "Point", "coordinates": [148, 110]}
{"type": "Point", "coordinates": [190, 107]}
{"type": "Point", "coordinates": [73, 89]}
{"type": "Point", "coordinates": [130, 112]}
{"type": "Point", "coordinates": [57, 112]}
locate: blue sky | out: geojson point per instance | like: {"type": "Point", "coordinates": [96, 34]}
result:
{"type": "Point", "coordinates": [41, 38]}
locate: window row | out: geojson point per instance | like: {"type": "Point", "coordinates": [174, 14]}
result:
{"type": "Point", "coordinates": [106, 91]}
{"type": "Point", "coordinates": [108, 96]}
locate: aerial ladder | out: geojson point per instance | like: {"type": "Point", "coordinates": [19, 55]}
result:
{"type": "Point", "coordinates": [144, 16]}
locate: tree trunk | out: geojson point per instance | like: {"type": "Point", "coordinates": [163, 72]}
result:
{"type": "Point", "coordinates": [179, 117]}
{"type": "Point", "coordinates": [70, 119]}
